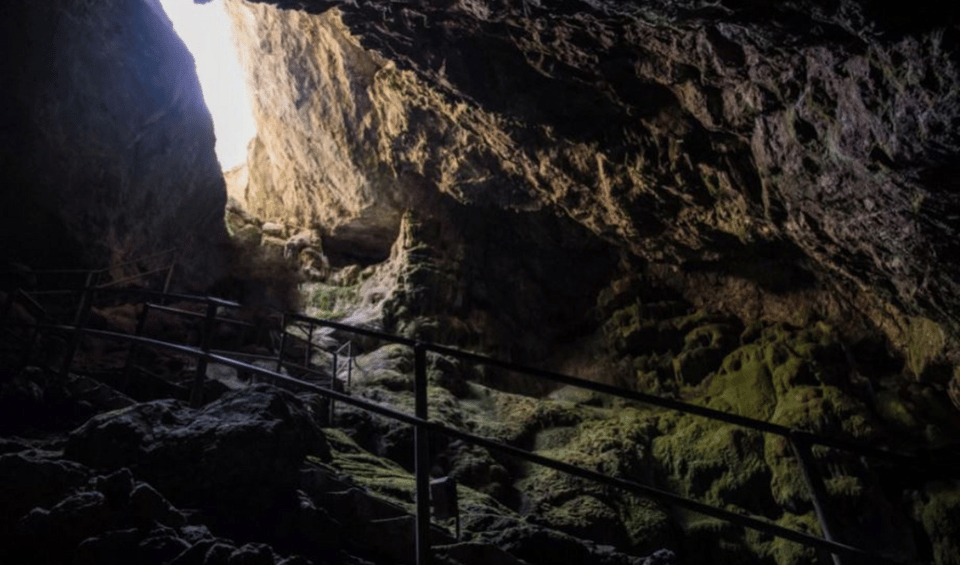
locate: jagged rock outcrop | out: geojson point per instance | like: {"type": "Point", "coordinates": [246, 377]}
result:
{"type": "Point", "coordinates": [106, 150]}
{"type": "Point", "coordinates": [791, 146]}
{"type": "Point", "coordinates": [238, 453]}
{"type": "Point", "coordinates": [314, 160]}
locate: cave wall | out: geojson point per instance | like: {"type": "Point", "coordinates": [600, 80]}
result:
{"type": "Point", "coordinates": [783, 146]}
{"type": "Point", "coordinates": [315, 160]}
{"type": "Point", "coordinates": [107, 148]}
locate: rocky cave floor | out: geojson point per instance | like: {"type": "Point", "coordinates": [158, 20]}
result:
{"type": "Point", "coordinates": [103, 467]}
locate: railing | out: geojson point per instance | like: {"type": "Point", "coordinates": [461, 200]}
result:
{"type": "Point", "coordinates": [106, 277]}
{"type": "Point", "coordinates": [828, 546]}
{"type": "Point", "coordinates": [800, 442]}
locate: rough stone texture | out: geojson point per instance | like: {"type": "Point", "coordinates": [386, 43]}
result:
{"type": "Point", "coordinates": [314, 159]}
{"type": "Point", "coordinates": [494, 280]}
{"type": "Point", "coordinates": [237, 455]}
{"type": "Point", "coordinates": [509, 282]}
{"type": "Point", "coordinates": [34, 399]}
{"type": "Point", "coordinates": [106, 146]}
{"type": "Point", "coordinates": [56, 511]}
{"type": "Point", "coordinates": [376, 493]}
{"type": "Point", "coordinates": [799, 378]}
{"type": "Point", "coordinates": [763, 143]}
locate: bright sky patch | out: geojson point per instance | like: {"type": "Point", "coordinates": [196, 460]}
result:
{"type": "Point", "coordinates": [206, 30]}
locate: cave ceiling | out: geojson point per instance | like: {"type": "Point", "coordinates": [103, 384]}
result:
{"type": "Point", "coordinates": [816, 139]}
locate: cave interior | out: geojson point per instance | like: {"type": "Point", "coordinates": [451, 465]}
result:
{"type": "Point", "coordinates": [715, 207]}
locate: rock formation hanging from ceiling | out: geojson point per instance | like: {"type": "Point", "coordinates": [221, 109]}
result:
{"type": "Point", "coordinates": [783, 146]}
{"type": "Point", "coordinates": [106, 146]}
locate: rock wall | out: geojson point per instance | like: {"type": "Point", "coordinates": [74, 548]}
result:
{"type": "Point", "coordinates": [107, 148]}
{"type": "Point", "coordinates": [315, 159]}
{"type": "Point", "coordinates": [786, 146]}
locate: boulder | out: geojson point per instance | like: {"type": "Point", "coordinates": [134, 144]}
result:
{"type": "Point", "coordinates": [240, 454]}
{"type": "Point", "coordinates": [29, 479]}
{"type": "Point", "coordinates": [110, 519]}
{"type": "Point", "coordinates": [40, 399]}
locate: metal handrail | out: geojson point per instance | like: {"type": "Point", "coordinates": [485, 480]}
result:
{"type": "Point", "coordinates": [800, 440]}
{"type": "Point", "coordinates": [758, 425]}
{"type": "Point", "coordinates": [351, 362]}
{"type": "Point", "coordinates": [421, 423]}
{"type": "Point", "coordinates": [93, 276]}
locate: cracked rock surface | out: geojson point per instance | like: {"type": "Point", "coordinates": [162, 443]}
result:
{"type": "Point", "coordinates": [726, 137]}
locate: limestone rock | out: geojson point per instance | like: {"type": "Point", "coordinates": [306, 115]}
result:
{"type": "Point", "coordinates": [40, 399]}
{"type": "Point", "coordinates": [57, 511]}
{"type": "Point", "coordinates": [30, 480]}
{"type": "Point", "coordinates": [273, 229]}
{"type": "Point", "coordinates": [777, 146]}
{"type": "Point", "coordinates": [241, 453]}
{"type": "Point", "coordinates": [299, 169]}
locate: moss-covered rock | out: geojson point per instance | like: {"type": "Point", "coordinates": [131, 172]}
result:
{"type": "Point", "coordinates": [939, 513]}
{"type": "Point", "coordinates": [330, 301]}
{"type": "Point", "coordinates": [924, 342]}
{"type": "Point", "coordinates": [617, 446]}
{"type": "Point", "coordinates": [717, 463]}
{"type": "Point", "coordinates": [484, 520]}
{"type": "Point", "coordinates": [796, 377]}
{"type": "Point", "coordinates": [743, 385]}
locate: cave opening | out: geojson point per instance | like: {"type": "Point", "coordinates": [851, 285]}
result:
{"type": "Point", "coordinates": [207, 32]}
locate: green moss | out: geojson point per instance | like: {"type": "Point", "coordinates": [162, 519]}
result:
{"type": "Point", "coordinates": [331, 301]}
{"type": "Point", "coordinates": [517, 419]}
{"type": "Point", "coordinates": [586, 517]}
{"type": "Point", "coordinates": [786, 482]}
{"type": "Point", "coordinates": [893, 410]}
{"type": "Point", "coordinates": [743, 386]}
{"type": "Point", "coordinates": [713, 541]}
{"type": "Point", "coordinates": [615, 446]}
{"type": "Point", "coordinates": [388, 480]}
{"type": "Point", "coordinates": [248, 236]}
{"type": "Point", "coordinates": [939, 513]}
{"type": "Point", "coordinates": [691, 321]}
{"type": "Point", "coordinates": [704, 348]}
{"type": "Point", "coordinates": [925, 341]}
{"type": "Point", "coordinates": [786, 552]}
{"type": "Point", "coordinates": [845, 486]}
{"type": "Point", "coordinates": [824, 410]}
{"type": "Point", "coordinates": [719, 464]}
{"type": "Point", "coordinates": [648, 525]}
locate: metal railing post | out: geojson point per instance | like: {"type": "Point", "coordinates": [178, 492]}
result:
{"type": "Point", "coordinates": [196, 395]}
{"type": "Point", "coordinates": [34, 335]}
{"type": "Point", "coordinates": [349, 363]}
{"type": "Point", "coordinates": [333, 384]}
{"type": "Point", "coordinates": [169, 277]}
{"type": "Point", "coordinates": [422, 454]}
{"type": "Point", "coordinates": [308, 354]}
{"type": "Point", "coordinates": [132, 352]}
{"type": "Point", "coordinates": [79, 322]}
{"type": "Point", "coordinates": [283, 344]}
{"type": "Point", "coordinates": [818, 494]}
